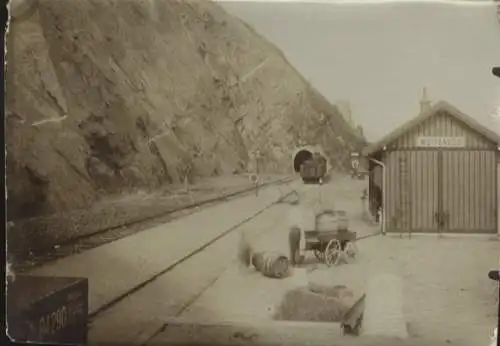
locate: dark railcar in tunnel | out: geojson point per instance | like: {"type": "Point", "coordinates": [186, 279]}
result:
{"type": "Point", "coordinates": [314, 169]}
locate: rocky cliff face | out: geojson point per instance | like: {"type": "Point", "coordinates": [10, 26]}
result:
{"type": "Point", "coordinates": [109, 95]}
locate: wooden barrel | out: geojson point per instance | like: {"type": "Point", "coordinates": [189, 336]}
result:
{"type": "Point", "coordinates": [327, 221]}
{"type": "Point", "coordinates": [294, 243]}
{"type": "Point", "coordinates": [330, 220]}
{"type": "Point", "coordinates": [271, 264]}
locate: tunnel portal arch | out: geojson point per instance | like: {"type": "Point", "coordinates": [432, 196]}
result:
{"type": "Point", "coordinates": [300, 157]}
{"type": "Point", "coordinates": [305, 152]}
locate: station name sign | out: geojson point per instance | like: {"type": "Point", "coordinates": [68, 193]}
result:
{"type": "Point", "coordinates": [441, 142]}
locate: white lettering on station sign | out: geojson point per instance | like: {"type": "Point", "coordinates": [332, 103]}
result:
{"type": "Point", "coordinates": [442, 142]}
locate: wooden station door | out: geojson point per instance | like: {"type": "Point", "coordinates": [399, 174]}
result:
{"type": "Point", "coordinates": [468, 193]}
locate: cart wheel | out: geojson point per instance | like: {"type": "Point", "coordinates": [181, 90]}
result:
{"type": "Point", "coordinates": [296, 258]}
{"type": "Point", "coordinates": [332, 252]}
{"type": "Point", "coordinates": [294, 242]}
{"type": "Point", "coordinates": [347, 329]}
{"type": "Point", "coordinates": [320, 255]}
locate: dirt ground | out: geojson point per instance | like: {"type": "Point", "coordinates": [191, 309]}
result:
{"type": "Point", "coordinates": [256, 296]}
{"type": "Point", "coordinates": [447, 295]}
{"type": "Point", "coordinates": [30, 241]}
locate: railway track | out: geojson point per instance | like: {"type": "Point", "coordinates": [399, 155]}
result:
{"type": "Point", "coordinates": [109, 234]}
{"type": "Point", "coordinates": [96, 313]}
{"type": "Point", "coordinates": [206, 287]}
{"type": "Point", "coordinates": [254, 238]}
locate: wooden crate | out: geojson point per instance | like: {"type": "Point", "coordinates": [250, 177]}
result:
{"type": "Point", "coordinates": [48, 309]}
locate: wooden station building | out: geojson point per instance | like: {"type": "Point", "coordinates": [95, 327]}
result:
{"type": "Point", "coordinates": [441, 174]}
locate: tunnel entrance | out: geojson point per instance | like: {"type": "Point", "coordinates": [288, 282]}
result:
{"type": "Point", "coordinates": [300, 158]}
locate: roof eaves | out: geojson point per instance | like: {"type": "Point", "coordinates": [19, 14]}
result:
{"type": "Point", "coordinates": [380, 144]}
{"type": "Point", "coordinates": [472, 123]}
{"type": "Point", "coordinates": [439, 106]}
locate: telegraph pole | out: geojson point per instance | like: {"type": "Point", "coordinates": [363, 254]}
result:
{"type": "Point", "coordinates": [257, 158]}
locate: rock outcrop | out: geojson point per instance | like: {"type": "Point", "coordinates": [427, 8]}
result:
{"type": "Point", "coordinates": [106, 95]}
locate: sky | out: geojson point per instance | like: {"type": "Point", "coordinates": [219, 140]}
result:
{"type": "Point", "coordinates": [379, 56]}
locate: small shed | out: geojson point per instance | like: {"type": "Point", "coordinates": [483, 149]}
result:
{"type": "Point", "coordinates": [438, 173]}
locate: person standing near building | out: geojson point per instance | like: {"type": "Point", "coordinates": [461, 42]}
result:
{"type": "Point", "coordinates": [495, 275]}
{"type": "Point", "coordinates": [296, 237]}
